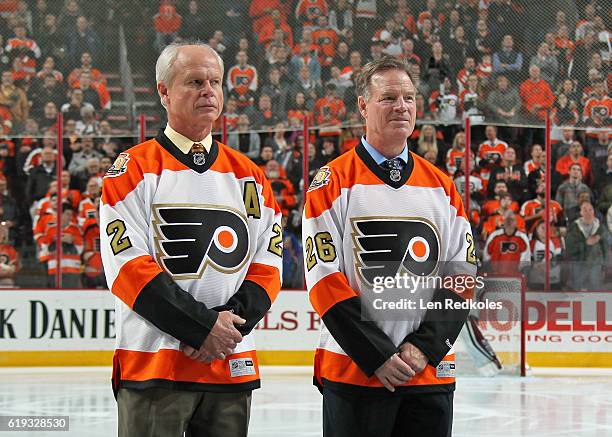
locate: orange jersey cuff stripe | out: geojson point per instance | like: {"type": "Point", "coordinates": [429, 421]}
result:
{"type": "Point", "coordinates": [267, 277]}
{"type": "Point", "coordinates": [173, 365]}
{"type": "Point", "coordinates": [329, 291]}
{"type": "Point", "coordinates": [132, 278]}
{"type": "Point", "coordinates": [340, 368]}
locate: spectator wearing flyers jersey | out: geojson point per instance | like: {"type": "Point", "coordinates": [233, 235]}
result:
{"type": "Point", "coordinates": [242, 81]}
{"type": "Point", "coordinates": [537, 159]}
{"type": "Point", "coordinates": [326, 37]}
{"type": "Point", "coordinates": [496, 220]}
{"type": "Point", "coordinates": [87, 205]}
{"type": "Point", "coordinates": [492, 204]}
{"type": "Point", "coordinates": [493, 148]}
{"type": "Point", "coordinates": [24, 48]}
{"type": "Point", "coordinates": [533, 210]}
{"type": "Point", "coordinates": [507, 249]}
{"type": "Point", "coordinates": [93, 274]}
{"type": "Point", "coordinates": [598, 109]}
{"type": "Point", "coordinates": [72, 247]}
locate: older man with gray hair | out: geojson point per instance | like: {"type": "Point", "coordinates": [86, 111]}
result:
{"type": "Point", "coordinates": [191, 244]}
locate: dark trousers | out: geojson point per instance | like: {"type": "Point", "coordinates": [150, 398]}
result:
{"type": "Point", "coordinates": [158, 412]}
{"type": "Point", "coordinates": [405, 415]}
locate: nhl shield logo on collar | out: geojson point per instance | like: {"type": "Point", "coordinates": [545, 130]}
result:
{"type": "Point", "coordinates": [199, 158]}
{"type": "Point", "coordinates": [395, 175]}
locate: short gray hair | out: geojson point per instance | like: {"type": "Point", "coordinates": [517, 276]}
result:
{"type": "Point", "coordinates": [364, 78]}
{"type": "Point", "coordinates": [163, 67]}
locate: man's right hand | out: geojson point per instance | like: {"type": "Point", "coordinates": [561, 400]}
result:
{"type": "Point", "coordinates": [224, 336]}
{"type": "Point", "coordinates": [394, 372]}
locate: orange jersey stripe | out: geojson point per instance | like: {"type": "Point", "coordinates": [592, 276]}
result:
{"type": "Point", "coordinates": [267, 277]}
{"type": "Point", "coordinates": [340, 368]}
{"type": "Point", "coordinates": [133, 276]}
{"type": "Point", "coordinates": [173, 365]}
{"type": "Point", "coordinates": [329, 291]}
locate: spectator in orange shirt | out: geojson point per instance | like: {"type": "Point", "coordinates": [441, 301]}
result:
{"type": "Point", "coordinates": [260, 12]}
{"type": "Point", "coordinates": [242, 81]}
{"type": "Point", "coordinates": [86, 60]}
{"type": "Point", "coordinates": [326, 37]}
{"type": "Point", "coordinates": [507, 248]}
{"type": "Point", "coordinates": [491, 205]}
{"type": "Point", "coordinates": [536, 95]}
{"type": "Point", "coordinates": [72, 247]}
{"type": "Point", "coordinates": [167, 24]}
{"type": "Point", "coordinates": [274, 30]}
{"type": "Point", "coordinates": [307, 12]}
{"type": "Point", "coordinates": [329, 108]}
{"type": "Point", "coordinates": [496, 220]}
{"type": "Point", "coordinates": [93, 273]}
{"type": "Point", "coordinates": [575, 157]}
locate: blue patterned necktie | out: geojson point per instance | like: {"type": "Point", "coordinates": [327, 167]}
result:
{"type": "Point", "coordinates": [392, 164]}
{"type": "Point", "coordinates": [394, 167]}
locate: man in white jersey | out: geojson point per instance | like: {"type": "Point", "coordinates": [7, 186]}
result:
{"type": "Point", "coordinates": [378, 212]}
{"type": "Point", "coordinates": [191, 244]}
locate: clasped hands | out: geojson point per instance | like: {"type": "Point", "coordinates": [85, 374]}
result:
{"type": "Point", "coordinates": [221, 341]}
{"type": "Point", "coordinates": [401, 367]}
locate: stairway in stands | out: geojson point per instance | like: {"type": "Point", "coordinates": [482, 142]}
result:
{"type": "Point", "coordinates": [146, 102]}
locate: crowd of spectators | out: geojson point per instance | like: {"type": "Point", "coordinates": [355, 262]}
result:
{"type": "Point", "coordinates": [500, 62]}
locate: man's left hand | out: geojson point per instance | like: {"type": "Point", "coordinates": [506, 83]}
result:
{"type": "Point", "coordinates": [194, 354]}
{"type": "Point", "coordinates": [413, 356]}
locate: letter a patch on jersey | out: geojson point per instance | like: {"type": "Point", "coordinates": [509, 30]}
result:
{"type": "Point", "coordinates": [189, 238]}
{"type": "Point", "coordinates": [387, 246]}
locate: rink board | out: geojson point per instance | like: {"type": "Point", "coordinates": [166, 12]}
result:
{"type": "Point", "coordinates": [77, 327]}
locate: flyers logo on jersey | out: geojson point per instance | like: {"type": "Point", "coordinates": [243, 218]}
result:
{"type": "Point", "coordinates": [387, 246]}
{"type": "Point", "coordinates": [190, 238]}
{"type": "Point", "coordinates": [119, 166]}
{"type": "Point", "coordinates": [509, 247]}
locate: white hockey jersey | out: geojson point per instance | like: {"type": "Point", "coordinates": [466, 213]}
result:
{"type": "Point", "coordinates": [361, 222]}
{"type": "Point", "coordinates": [182, 237]}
